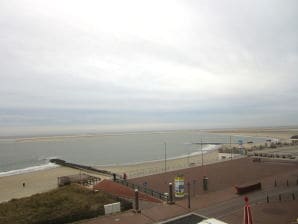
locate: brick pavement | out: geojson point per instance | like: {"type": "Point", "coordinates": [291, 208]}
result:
{"type": "Point", "coordinates": [119, 190]}
{"type": "Point", "coordinates": [223, 177]}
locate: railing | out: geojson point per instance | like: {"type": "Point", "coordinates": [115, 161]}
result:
{"type": "Point", "coordinates": [148, 191]}
{"type": "Point", "coordinates": [288, 196]}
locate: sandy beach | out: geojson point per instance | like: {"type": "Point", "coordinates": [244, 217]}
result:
{"type": "Point", "coordinates": [44, 180]}
{"type": "Point", "coordinates": [150, 168]}
{"type": "Point", "coordinates": [35, 182]}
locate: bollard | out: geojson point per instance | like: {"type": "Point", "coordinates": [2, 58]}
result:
{"type": "Point", "coordinates": [137, 210]}
{"type": "Point", "coordinates": [205, 183]}
{"type": "Point", "coordinates": [170, 201]}
{"type": "Point", "coordinates": [267, 198]}
{"type": "Point", "coordinates": [293, 196]}
{"type": "Point", "coordinates": [188, 197]}
{"type": "Point", "coordinates": [194, 187]}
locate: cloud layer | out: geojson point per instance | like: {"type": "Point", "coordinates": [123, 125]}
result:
{"type": "Point", "coordinates": [189, 63]}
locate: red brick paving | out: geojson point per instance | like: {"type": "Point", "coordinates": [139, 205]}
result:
{"type": "Point", "coordinates": [119, 190]}
{"type": "Point", "coordinates": [220, 175]}
{"type": "Point", "coordinates": [273, 213]}
{"type": "Point", "coordinates": [222, 178]}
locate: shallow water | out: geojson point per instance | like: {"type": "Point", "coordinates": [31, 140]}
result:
{"type": "Point", "coordinates": [106, 149]}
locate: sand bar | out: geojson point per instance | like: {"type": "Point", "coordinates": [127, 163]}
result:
{"type": "Point", "coordinates": [283, 134]}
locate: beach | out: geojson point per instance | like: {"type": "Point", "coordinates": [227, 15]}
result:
{"type": "Point", "coordinates": [44, 180]}
{"type": "Point", "coordinates": [150, 168]}
{"type": "Point", "coordinates": [35, 182]}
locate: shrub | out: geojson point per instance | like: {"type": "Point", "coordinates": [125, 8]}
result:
{"type": "Point", "coordinates": [66, 204]}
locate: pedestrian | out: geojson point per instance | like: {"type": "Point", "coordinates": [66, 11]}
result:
{"type": "Point", "coordinates": [24, 184]}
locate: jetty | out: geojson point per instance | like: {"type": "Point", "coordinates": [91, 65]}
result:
{"type": "Point", "coordinates": [81, 167]}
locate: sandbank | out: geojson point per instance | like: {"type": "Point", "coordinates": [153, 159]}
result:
{"type": "Point", "coordinates": [282, 133]}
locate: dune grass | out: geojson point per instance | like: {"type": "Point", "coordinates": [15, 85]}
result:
{"type": "Point", "coordinates": [62, 205]}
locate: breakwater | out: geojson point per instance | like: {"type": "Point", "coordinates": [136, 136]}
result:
{"type": "Point", "coordinates": [80, 167]}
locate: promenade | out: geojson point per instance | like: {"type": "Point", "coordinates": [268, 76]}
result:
{"type": "Point", "coordinates": [279, 182]}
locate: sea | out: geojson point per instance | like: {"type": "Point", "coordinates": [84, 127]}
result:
{"type": "Point", "coordinates": [31, 154]}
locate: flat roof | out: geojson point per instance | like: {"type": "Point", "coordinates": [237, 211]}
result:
{"type": "Point", "coordinates": [191, 218]}
{"type": "Point", "coordinates": [211, 221]}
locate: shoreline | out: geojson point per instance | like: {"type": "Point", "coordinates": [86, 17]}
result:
{"type": "Point", "coordinates": [30, 169]}
{"type": "Point", "coordinates": [50, 165]}
{"type": "Point", "coordinates": [57, 138]}
{"type": "Point", "coordinates": [35, 182]}
{"type": "Point", "coordinates": [104, 134]}
{"type": "Point", "coordinates": [45, 180]}
{"type": "Point", "coordinates": [253, 133]}
{"type": "Point", "coordinates": [155, 167]}
{"type": "Point", "coordinates": [90, 135]}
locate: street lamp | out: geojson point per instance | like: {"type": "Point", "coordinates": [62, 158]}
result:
{"type": "Point", "coordinates": [196, 143]}
{"type": "Point", "coordinates": [211, 143]}
{"type": "Point", "coordinates": [165, 144]}
{"type": "Point", "coordinates": [202, 156]}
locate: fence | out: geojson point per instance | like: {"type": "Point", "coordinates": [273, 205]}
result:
{"type": "Point", "coordinates": [143, 189]}
{"type": "Point", "coordinates": [282, 197]}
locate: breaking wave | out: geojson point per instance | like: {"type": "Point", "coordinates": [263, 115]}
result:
{"type": "Point", "coordinates": [28, 169]}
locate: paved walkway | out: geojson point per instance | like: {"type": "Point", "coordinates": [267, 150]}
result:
{"type": "Point", "coordinates": [123, 191]}
{"type": "Point", "coordinates": [222, 202]}
{"type": "Point", "coordinates": [229, 209]}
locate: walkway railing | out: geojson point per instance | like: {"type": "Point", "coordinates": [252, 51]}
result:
{"type": "Point", "coordinates": [148, 191]}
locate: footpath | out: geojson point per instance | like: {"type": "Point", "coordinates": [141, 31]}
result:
{"type": "Point", "coordinates": [224, 205]}
{"type": "Point", "coordinates": [275, 203]}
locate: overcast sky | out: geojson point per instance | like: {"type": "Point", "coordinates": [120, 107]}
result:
{"type": "Point", "coordinates": [101, 65]}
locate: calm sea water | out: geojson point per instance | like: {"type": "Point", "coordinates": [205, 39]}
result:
{"type": "Point", "coordinates": [18, 157]}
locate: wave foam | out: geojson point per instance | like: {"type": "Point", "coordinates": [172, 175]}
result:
{"type": "Point", "coordinates": [205, 149]}
{"type": "Point", "coordinates": [28, 169]}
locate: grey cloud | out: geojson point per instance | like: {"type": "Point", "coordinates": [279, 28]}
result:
{"type": "Point", "coordinates": [211, 63]}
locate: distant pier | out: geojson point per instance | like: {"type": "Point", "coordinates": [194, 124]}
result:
{"type": "Point", "coordinates": [81, 167]}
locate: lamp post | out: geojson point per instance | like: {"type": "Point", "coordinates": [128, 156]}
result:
{"type": "Point", "coordinates": [211, 143]}
{"type": "Point", "coordinates": [202, 156]}
{"type": "Point", "coordinates": [165, 144]}
{"type": "Point", "coordinates": [231, 147]}
{"type": "Point", "coordinates": [196, 143]}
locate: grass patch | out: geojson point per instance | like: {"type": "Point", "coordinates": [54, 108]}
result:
{"type": "Point", "coordinates": [66, 204]}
